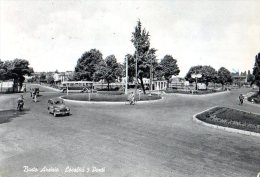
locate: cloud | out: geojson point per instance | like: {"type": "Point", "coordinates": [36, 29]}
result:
{"type": "Point", "coordinates": [54, 34]}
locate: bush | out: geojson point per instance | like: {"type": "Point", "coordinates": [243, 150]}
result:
{"type": "Point", "coordinates": [254, 98]}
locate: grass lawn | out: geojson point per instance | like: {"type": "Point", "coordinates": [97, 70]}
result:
{"type": "Point", "coordinates": [227, 117]}
{"type": "Point", "coordinates": [109, 98]}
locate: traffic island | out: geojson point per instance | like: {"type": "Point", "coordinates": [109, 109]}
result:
{"type": "Point", "coordinates": [230, 120]}
{"type": "Point", "coordinates": [109, 98]}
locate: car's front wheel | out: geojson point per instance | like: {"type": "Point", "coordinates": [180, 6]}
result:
{"type": "Point", "coordinates": [54, 114]}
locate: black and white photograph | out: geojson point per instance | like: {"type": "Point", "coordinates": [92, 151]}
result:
{"type": "Point", "coordinates": [129, 88]}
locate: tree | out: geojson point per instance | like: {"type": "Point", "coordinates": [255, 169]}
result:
{"type": "Point", "coordinates": [2, 70]}
{"type": "Point", "coordinates": [169, 67]}
{"type": "Point", "coordinates": [256, 71]}
{"type": "Point", "coordinates": [141, 42]}
{"type": "Point", "coordinates": [250, 77]}
{"type": "Point", "coordinates": [109, 70]}
{"type": "Point", "coordinates": [43, 77]}
{"type": "Point", "coordinates": [209, 74]}
{"type": "Point", "coordinates": [15, 69]}
{"type": "Point", "coordinates": [224, 76]}
{"type": "Point", "coordinates": [49, 78]}
{"type": "Point", "coordinates": [87, 64]}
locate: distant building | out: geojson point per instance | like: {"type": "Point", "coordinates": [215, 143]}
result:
{"type": "Point", "coordinates": [62, 76]}
{"type": "Point", "coordinates": [239, 79]}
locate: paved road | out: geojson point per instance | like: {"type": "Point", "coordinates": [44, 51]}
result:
{"type": "Point", "coordinates": [155, 139]}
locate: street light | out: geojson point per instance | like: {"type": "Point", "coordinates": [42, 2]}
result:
{"type": "Point", "coordinates": [196, 76]}
{"type": "Point", "coordinates": [126, 75]}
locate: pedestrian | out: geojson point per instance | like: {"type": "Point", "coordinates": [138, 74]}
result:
{"type": "Point", "coordinates": [35, 95]}
{"type": "Point", "coordinates": [31, 91]}
{"type": "Point", "coordinates": [35, 98]}
{"type": "Point", "coordinates": [241, 99]}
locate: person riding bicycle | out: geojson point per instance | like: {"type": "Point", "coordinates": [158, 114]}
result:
{"type": "Point", "coordinates": [20, 102]}
{"type": "Point", "coordinates": [241, 99]}
{"type": "Point", "coordinates": [131, 98]}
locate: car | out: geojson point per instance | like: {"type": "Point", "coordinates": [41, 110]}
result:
{"type": "Point", "coordinates": [58, 107]}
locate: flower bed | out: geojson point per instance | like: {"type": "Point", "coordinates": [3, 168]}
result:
{"type": "Point", "coordinates": [108, 98]}
{"type": "Point", "coordinates": [227, 117]}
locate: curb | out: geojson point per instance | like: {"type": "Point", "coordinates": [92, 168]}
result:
{"type": "Point", "coordinates": [108, 102]}
{"type": "Point", "coordinates": [202, 95]}
{"type": "Point", "coordinates": [228, 129]}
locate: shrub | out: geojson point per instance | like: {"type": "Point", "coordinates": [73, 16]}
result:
{"type": "Point", "coordinates": [255, 98]}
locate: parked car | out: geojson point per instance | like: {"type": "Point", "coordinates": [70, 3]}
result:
{"type": "Point", "coordinates": [58, 107]}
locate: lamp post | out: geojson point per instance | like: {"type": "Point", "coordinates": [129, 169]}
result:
{"type": "Point", "coordinates": [126, 75]}
{"type": "Point", "coordinates": [196, 76]}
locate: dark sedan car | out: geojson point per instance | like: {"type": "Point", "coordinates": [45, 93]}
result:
{"type": "Point", "coordinates": [58, 107]}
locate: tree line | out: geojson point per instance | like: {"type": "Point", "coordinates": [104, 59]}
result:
{"type": "Point", "coordinates": [15, 70]}
{"type": "Point", "coordinates": [256, 72]}
{"type": "Point", "coordinates": [209, 74]}
{"type": "Point", "coordinates": [143, 63]}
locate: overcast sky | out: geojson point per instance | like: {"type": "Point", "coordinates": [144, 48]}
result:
{"type": "Point", "coordinates": [53, 34]}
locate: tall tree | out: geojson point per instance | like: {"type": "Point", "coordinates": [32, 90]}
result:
{"type": "Point", "coordinates": [87, 64]}
{"type": "Point", "coordinates": [224, 76]}
{"type": "Point", "coordinates": [109, 70]}
{"type": "Point", "coordinates": [169, 67]}
{"type": "Point", "coordinates": [141, 42]}
{"type": "Point", "coordinates": [256, 71]}
{"type": "Point", "coordinates": [209, 74]}
{"type": "Point", "coordinates": [250, 77]}
{"type": "Point", "coordinates": [2, 70]}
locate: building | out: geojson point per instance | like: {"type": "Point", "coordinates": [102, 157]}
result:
{"type": "Point", "coordinates": [239, 79]}
{"type": "Point", "coordinates": [8, 86]}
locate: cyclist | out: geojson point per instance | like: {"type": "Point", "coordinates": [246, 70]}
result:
{"type": "Point", "coordinates": [241, 99]}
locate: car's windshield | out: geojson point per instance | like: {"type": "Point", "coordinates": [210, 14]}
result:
{"type": "Point", "coordinates": [58, 102]}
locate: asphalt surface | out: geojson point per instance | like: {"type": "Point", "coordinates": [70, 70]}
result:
{"type": "Point", "coordinates": [153, 139]}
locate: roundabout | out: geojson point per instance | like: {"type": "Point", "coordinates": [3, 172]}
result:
{"type": "Point", "coordinates": [159, 139]}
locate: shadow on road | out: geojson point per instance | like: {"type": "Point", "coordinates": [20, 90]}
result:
{"type": "Point", "coordinates": [7, 115]}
